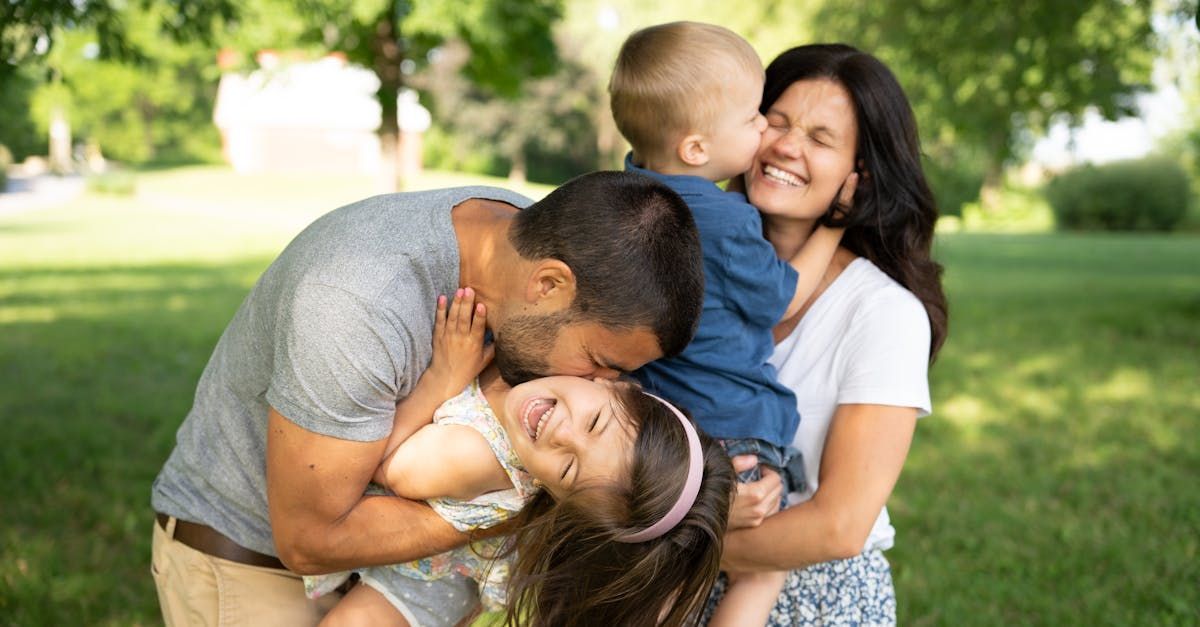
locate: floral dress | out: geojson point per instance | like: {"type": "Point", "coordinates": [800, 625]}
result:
{"type": "Point", "coordinates": [477, 559]}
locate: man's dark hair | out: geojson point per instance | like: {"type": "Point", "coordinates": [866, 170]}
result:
{"type": "Point", "coordinates": [633, 246]}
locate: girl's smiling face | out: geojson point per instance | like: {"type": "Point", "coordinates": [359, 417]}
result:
{"type": "Point", "coordinates": [569, 432]}
{"type": "Point", "coordinates": [807, 151]}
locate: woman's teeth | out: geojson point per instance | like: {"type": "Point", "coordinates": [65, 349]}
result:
{"type": "Point", "coordinates": [787, 178]}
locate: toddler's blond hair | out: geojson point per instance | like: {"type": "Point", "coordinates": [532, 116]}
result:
{"type": "Point", "coordinates": [668, 80]}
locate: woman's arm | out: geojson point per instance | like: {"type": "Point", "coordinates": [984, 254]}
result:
{"type": "Point", "coordinates": [864, 453]}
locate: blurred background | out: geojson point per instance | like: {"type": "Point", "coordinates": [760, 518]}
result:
{"type": "Point", "coordinates": [156, 155]}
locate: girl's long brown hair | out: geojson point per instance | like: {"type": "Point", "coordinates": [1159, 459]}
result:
{"type": "Point", "coordinates": [570, 570]}
{"type": "Point", "coordinates": [892, 220]}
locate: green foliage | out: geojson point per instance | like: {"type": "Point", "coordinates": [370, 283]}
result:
{"type": "Point", "coordinates": [23, 24]}
{"type": "Point", "coordinates": [1062, 435]}
{"type": "Point", "coordinates": [448, 150]}
{"type": "Point", "coordinates": [1136, 195]}
{"type": "Point", "coordinates": [509, 41]}
{"type": "Point", "coordinates": [5, 161]}
{"type": "Point", "coordinates": [993, 75]}
{"type": "Point", "coordinates": [18, 130]}
{"type": "Point", "coordinates": [158, 110]}
{"type": "Point", "coordinates": [546, 133]}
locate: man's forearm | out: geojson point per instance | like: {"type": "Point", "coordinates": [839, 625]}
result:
{"type": "Point", "coordinates": [378, 530]}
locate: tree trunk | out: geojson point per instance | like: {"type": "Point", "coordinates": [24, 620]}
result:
{"type": "Point", "coordinates": [989, 194]}
{"type": "Point", "coordinates": [388, 55]}
{"type": "Point", "coordinates": [516, 173]}
{"type": "Point", "coordinates": [60, 141]}
{"type": "Point", "coordinates": [990, 197]}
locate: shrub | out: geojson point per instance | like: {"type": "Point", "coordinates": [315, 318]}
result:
{"type": "Point", "coordinates": [955, 174]}
{"type": "Point", "coordinates": [5, 161]}
{"type": "Point", "coordinates": [117, 182]}
{"type": "Point", "coordinates": [1148, 194]}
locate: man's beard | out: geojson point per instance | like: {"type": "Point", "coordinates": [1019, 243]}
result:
{"type": "Point", "coordinates": [523, 344]}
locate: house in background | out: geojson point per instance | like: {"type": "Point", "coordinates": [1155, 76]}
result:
{"type": "Point", "coordinates": [311, 116]}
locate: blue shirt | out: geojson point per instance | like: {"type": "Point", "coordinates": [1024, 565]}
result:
{"type": "Point", "coordinates": [723, 376]}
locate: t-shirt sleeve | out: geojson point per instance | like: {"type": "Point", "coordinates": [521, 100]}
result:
{"type": "Point", "coordinates": [755, 282]}
{"type": "Point", "coordinates": [335, 364]}
{"type": "Point", "coordinates": [886, 359]}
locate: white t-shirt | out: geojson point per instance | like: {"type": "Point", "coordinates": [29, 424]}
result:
{"type": "Point", "coordinates": [864, 340]}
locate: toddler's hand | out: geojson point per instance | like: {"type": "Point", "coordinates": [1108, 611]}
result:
{"type": "Point", "coordinates": [458, 351]}
{"type": "Point", "coordinates": [756, 500]}
{"type": "Point", "coordinates": [843, 205]}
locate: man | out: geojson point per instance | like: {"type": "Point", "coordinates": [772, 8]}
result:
{"type": "Point", "coordinates": [296, 403]}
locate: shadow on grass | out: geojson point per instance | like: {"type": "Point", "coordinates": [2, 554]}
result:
{"type": "Point", "coordinates": [1054, 483]}
{"type": "Point", "coordinates": [97, 369]}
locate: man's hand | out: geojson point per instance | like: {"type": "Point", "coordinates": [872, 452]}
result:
{"type": "Point", "coordinates": [757, 500]}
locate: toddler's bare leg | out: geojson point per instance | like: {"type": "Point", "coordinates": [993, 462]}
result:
{"type": "Point", "coordinates": [364, 606]}
{"type": "Point", "coordinates": [748, 599]}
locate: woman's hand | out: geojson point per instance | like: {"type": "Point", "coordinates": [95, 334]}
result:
{"type": "Point", "coordinates": [756, 500]}
{"type": "Point", "coordinates": [458, 351]}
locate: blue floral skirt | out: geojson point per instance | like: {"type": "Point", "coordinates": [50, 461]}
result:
{"type": "Point", "coordinates": [855, 591]}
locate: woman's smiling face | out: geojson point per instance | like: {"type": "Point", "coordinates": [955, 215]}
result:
{"type": "Point", "coordinates": [807, 151]}
{"type": "Point", "coordinates": [569, 431]}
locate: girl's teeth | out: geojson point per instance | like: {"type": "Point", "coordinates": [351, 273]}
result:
{"type": "Point", "coordinates": [542, 420]}
{"type": "Point", "coordinates": [536, 422]}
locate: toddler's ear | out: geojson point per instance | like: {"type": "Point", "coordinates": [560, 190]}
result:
{"type": "Point", "coordinates": [693, 150]}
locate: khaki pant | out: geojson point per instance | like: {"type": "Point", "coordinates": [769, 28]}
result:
{"type": "Point", "coordinates": [197, 589]}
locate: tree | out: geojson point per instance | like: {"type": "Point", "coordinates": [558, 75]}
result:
{"type": "Point", "coordinates": [994, 75]}
{"type": "Point", "coordinates": [29, 28]}
{"type": "Point", "coordinates": [508, 40]}
{"type": "Point", "coordinates": [157, 109]}
{"type": "Point", "coordinates": [545, 133]}
{"type": "Point", "coordinates": [115, 32]}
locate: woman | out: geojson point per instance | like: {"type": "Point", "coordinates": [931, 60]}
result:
{"type": "Point", "coordinates": [857, 354]}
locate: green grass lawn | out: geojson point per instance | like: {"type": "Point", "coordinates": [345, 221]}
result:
{"type": "Point", "coordinates": [1056, 482]}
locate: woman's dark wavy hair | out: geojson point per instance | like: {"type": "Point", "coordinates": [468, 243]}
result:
{"type": "Point", "coordinates": [892, 220]}
{"type": "Point", "coordinates": [569, 569]}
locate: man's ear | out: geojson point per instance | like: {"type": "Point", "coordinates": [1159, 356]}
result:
{"type": "Point", "coordinates": [693, 150]}
{"type": "Point", "coordinates": [550, 286]}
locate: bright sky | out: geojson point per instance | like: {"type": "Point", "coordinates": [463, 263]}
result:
{"type": "Point", "coordinates": [1162, 111]}
{"type": "Point", "coordinates": [1099, 140]}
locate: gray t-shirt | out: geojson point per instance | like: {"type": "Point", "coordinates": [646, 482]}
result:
{"type": "Point", "coordinates": [335, 332]}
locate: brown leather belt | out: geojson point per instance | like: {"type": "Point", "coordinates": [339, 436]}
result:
{"type": "Point", "coordinates": [211, 542]}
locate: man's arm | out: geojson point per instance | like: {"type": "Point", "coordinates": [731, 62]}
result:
{"type": "Point", "coordinates": [319, 517]}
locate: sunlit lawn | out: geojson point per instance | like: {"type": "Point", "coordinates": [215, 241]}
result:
{"type": "Point", "coordinates": [1056, 482]}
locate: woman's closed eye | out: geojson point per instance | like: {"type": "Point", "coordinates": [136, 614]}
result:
{"type": "Point", "coordinates": [592, 427]}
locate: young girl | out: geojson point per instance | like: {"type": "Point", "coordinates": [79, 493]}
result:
{"type": "Point", "coordinates": [620, 504]}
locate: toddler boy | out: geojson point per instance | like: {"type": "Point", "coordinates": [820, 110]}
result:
{"type": "Point", "coordinates": [686, 96]}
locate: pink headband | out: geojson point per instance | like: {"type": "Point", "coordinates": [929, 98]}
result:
{"type": "Point", "coordinates": [691, 487]}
